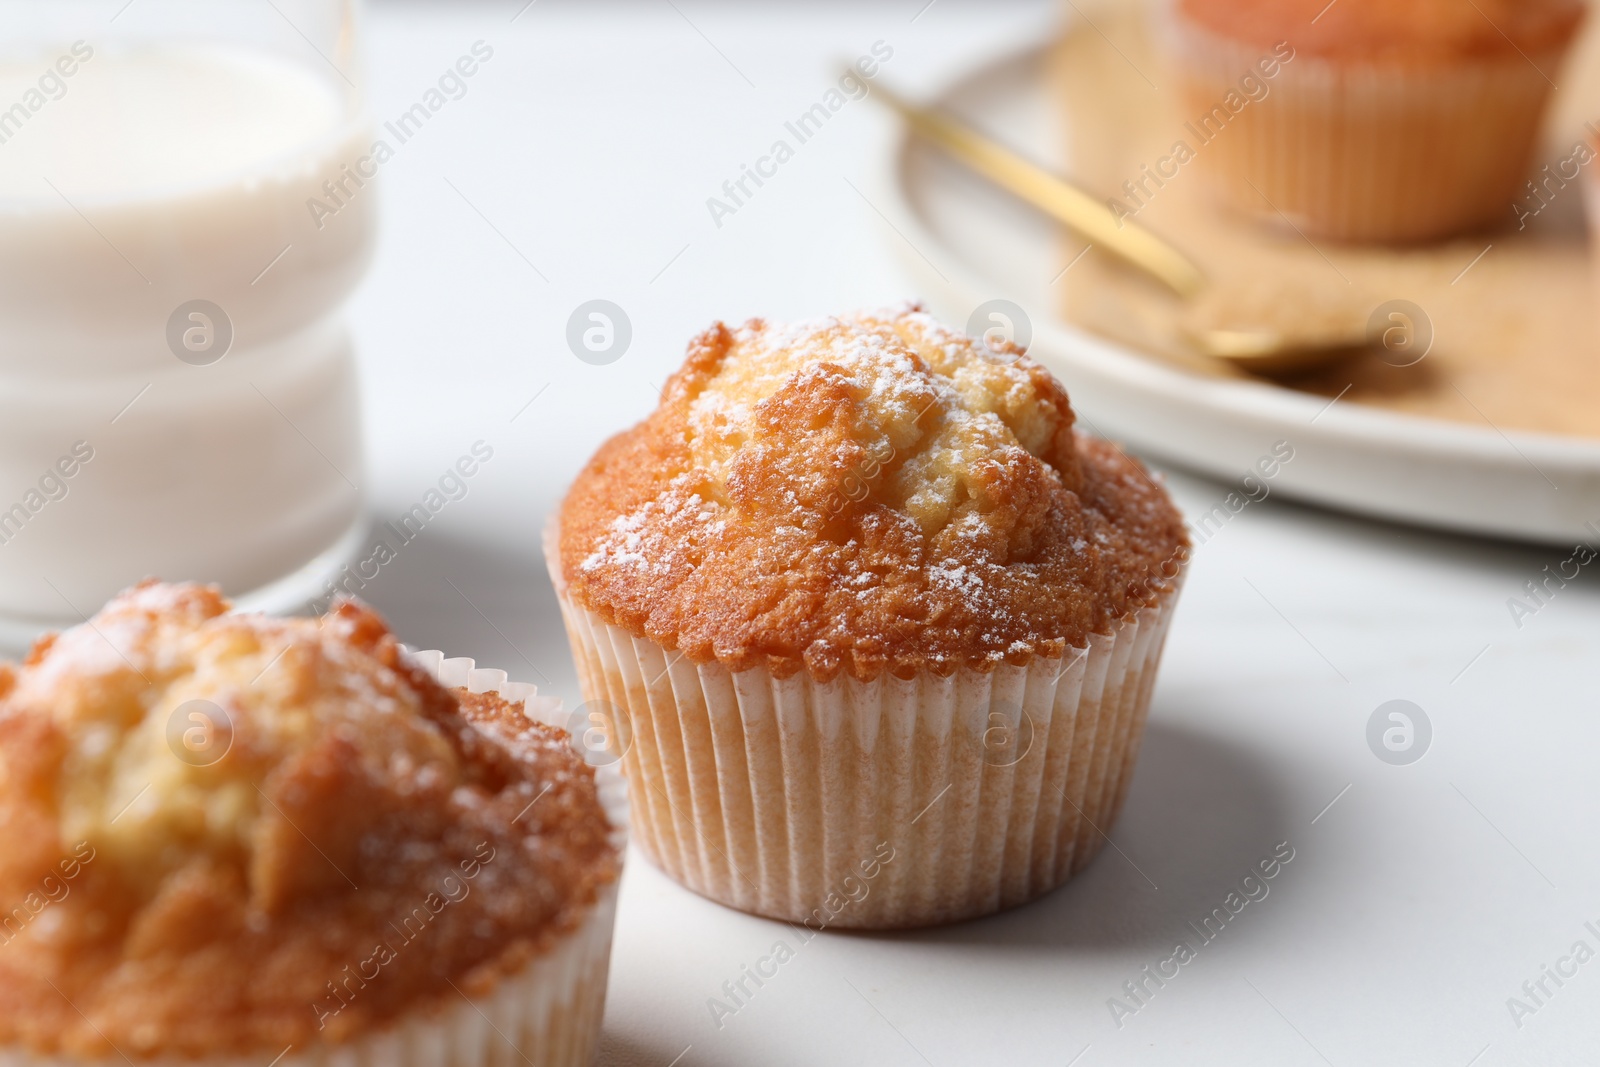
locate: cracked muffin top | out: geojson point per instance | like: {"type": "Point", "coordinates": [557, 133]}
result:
{"type": "Point", "coordinates": [863, 494]}
{"type": "Point", "coordinates": [1396, 31]}
{"type": "Point", "coordinates": [214, 821]}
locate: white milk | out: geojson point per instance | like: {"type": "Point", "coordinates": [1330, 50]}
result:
{"type": "Point", "coordinates": [141, 181]}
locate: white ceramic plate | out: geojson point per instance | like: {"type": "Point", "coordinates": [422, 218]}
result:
{"type": "Point", "coordinates": [967, 243]}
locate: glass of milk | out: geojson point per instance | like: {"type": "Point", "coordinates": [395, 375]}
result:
{"type": "Point", "coordinates": [183, 213]}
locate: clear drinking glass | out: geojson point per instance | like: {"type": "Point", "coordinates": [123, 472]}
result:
{"type": "Point", "coordinates": [183, 213]}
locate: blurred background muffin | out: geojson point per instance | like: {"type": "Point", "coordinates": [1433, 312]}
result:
{"type": "Point", "coordinates": [1368, 120]}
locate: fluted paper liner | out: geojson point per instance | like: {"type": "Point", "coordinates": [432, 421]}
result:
{"type": "Point", "coordinates": [1361, 151]}
{"type": "Point", "coordinates": [783, 796]}
{"type": "Point", "coordinates": [547, 1015]}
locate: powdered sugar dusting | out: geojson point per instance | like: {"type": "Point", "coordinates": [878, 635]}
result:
{"type": "Point", "coordinates": [862, 483]}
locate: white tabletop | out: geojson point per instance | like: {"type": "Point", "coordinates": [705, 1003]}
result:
{"type": "Point", "coordinates": [578, 166]}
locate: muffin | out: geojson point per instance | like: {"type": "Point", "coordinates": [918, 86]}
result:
{"type": "Point", "coordinates": [873, 628]}
{"type": "Point", "coordinates": [231, 838]}
{"type": "Point", "coordinates": [1367, 120]}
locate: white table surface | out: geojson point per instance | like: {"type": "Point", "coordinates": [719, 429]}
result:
{"type": "Point", "coordinates": [1415, 905]}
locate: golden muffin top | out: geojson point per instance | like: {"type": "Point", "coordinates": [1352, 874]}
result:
{"type": "Point", "coordinates": [213, 821]}
{"type": "Point", "coordinates": [867, 493]}
{"type": "Point", "coordinates": [1396, 31]}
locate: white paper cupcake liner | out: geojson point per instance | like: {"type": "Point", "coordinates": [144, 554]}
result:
{"type": "Point", "coordinates": [548, 1015]}
{"type": "Point", "coordinates": [1362, 152]}
{"type": "Point", "coordinates": [872, 804]}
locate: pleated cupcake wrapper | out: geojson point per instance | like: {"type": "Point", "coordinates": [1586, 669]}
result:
{"type": "Point", "coordinates": [549, 1014]}
{"type": "Point", "coordinates": [1362, 152]}
{"type": "Point", "coordinates": [895, 802]}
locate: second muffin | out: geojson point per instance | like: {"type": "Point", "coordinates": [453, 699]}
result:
{"type": "Point", "coordinates": [1372, 120]}
{"type": "Point", "coordinates": [234, 839]}
{"type": "Point", "coordinates": [876, 629]}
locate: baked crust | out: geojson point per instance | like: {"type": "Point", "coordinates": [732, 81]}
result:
{"type": "Point", "coordinates": [162, 907]}
{"type": "Point", "coordinates": [859, 495]}
{"type": "Point", "coordinates": [1396, 31]}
